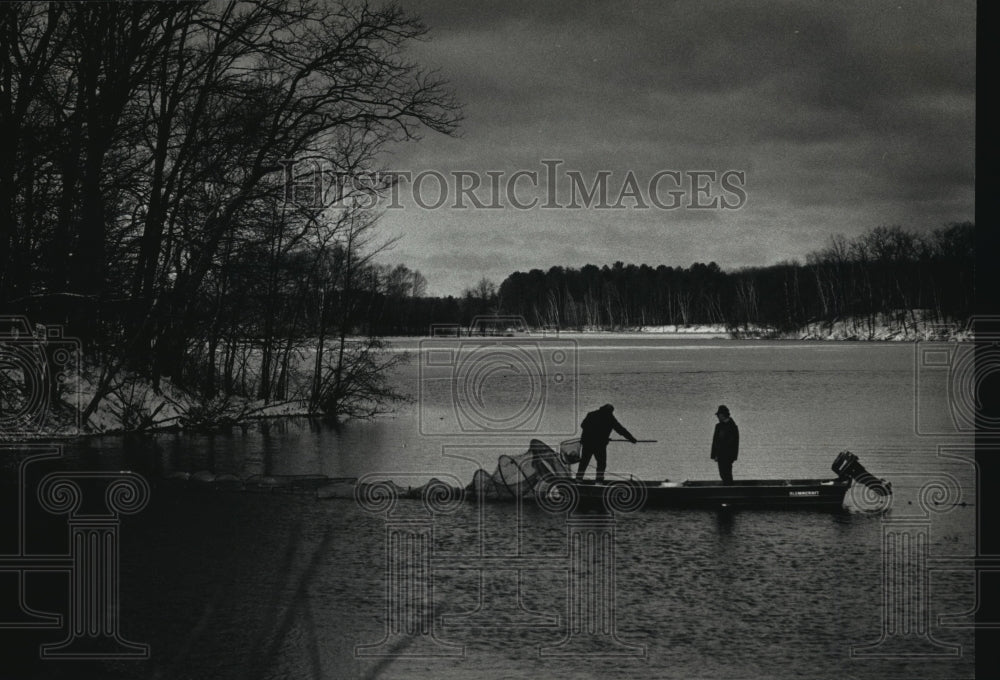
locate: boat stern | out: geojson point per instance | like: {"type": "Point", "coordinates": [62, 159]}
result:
{"type": "Point", "coordinates": [848, 467]}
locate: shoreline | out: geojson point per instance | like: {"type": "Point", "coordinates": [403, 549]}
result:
{"type": "Point", "coordinates": [845, 330]}
{"type": "Point", "coordinates": [168, 409]}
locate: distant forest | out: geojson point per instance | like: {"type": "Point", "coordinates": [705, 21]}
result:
{"type": "Point", "coordinates": [886, 272]}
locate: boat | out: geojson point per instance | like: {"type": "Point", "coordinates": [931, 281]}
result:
{"type": "Point", "coordinates": [553, 484]}
{"type": "Point", "coordinates": [547, 477]}
{"type": "Point", "coordinates": [748, 493]}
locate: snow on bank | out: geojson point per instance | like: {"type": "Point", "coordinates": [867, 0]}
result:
{"type": "Point", "coordinates": [900, 327]}
{"type": "Point", "coordinates": [702, 331]}
{"type": "Point", "coordinates": [908, 327]}
{"type": "Point", "coordinates": [135, 405]}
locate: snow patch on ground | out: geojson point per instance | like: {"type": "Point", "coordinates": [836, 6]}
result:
{"type": "Point", "coordinates": [135, 405]}
{"type": "Point", "coordinates": [689, 331]}
{"type": "Point", "coordinates": [909, 327]}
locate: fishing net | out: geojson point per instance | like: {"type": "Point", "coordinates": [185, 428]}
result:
{"type": "Point", "coordinates": [570, 451]}
{"type": "Point", "coordinates": [483, 487]}
{"type": "Point", "coordinates": [519, 475]}
{"type": "Point", "coordinates": [515, 476]}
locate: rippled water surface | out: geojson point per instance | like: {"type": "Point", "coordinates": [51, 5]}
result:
{"type": "Point", "coordinates": [229, 584]}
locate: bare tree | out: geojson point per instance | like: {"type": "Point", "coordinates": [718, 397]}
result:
{"type": "Point", "coordinates": [144, 158]}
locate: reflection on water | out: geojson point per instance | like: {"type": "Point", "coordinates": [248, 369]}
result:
{"type": "Point", "coordinates": [724, 519]}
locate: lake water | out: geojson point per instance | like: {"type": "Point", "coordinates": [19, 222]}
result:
{"type": "Point", "coordinates": [229, 584]}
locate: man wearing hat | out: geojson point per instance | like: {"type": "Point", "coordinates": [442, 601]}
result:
{"type": "Point", "coordinates": [597, 426]}
{"type": "Point", "coordinates": [725, 444]}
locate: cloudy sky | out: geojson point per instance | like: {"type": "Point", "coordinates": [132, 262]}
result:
{"type": "Point", "coordinates": [842, 117]}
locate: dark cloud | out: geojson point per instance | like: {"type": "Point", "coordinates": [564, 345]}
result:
{"type": "Point", "coordinates": [845, 116]}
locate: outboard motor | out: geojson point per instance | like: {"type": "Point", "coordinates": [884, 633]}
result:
{"type": "Point", "coordinates": [847, 466]}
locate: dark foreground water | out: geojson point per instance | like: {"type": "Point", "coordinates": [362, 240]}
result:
{"type": "Point", "coordinates": [223, 583]}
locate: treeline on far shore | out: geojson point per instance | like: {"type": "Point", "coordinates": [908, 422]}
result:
{"type": "Point", "coordinates": [886, 272]}
{"type": "Point", "coordinates": [287, 339]}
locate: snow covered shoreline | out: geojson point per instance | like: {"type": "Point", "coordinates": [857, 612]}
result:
{"type": "Point", "coordinates": [851, 329]}
{"type": "Point", "coordinates": [136, 406]}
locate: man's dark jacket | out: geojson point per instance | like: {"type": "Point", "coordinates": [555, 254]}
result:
{"type": "Point", "coordinates": [597, 426]}
{"type": "Point", "coordinates": [726, 442]}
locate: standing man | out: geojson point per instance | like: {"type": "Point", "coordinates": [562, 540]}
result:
{"type": "Point", "coordinates": [597, 428]}
{"type": "Point", "coordinates": [725, 444]}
